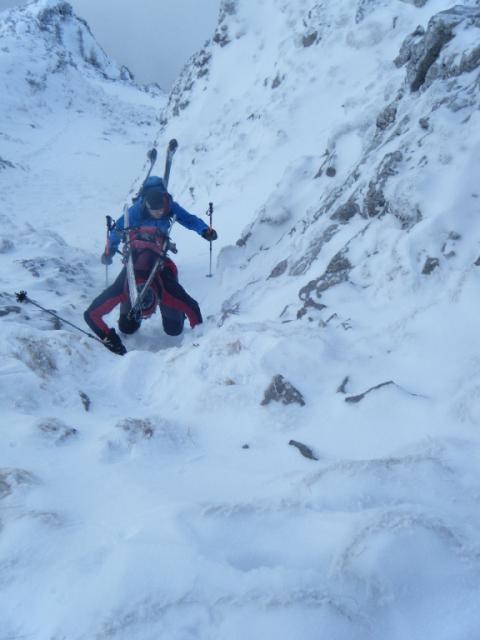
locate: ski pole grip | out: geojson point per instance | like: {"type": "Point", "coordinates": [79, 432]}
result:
{"type": "Point", "coordinates": [210, 212]}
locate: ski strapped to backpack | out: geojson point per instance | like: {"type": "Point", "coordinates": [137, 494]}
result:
{"type": "Point", "coordinates": [137, 308]}
{"type": "Point", "coordinates": [131, 282]}
{"type": "Point", "coordinates": [136, 297]}
{"type": "Point", "coordinates": [172, 147]}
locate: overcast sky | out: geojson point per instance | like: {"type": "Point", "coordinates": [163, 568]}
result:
{"type": "Point", "coordinates": [154, 38]}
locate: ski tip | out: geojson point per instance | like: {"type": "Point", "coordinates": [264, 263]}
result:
{"type": "Point", "coordinates": [173, 144]}
{"type": "Point", "coordinates": [152, 155]}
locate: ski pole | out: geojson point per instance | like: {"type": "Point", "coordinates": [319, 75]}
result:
{"type": "Point", "coordinates": [23, 297]}
{"type": "Point", "coordinates": [210, 215]}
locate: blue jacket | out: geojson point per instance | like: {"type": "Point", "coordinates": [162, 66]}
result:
{"type": "Point", "coordinates": [138, 217]}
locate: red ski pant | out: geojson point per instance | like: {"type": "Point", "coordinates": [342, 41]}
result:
{"type": "Point", "coordinates": [175, 303]}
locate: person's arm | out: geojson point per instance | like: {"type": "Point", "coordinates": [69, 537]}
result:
{"type": "Point", "coordinates": [188, 220]}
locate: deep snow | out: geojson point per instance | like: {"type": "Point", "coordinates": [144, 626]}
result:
{"type": "Point", "coordinates": [174, 507]}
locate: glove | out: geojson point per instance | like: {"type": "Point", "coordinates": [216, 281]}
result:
{"type": "Point", "coordinates": [113, 343]}
{"type": "Point", "coordinates": [209, 234]}
{"type": "Point", "coordinates": [106, 259]}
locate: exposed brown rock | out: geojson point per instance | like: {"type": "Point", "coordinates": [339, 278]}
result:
{"type": "Point", "coordinates": [280, 390]}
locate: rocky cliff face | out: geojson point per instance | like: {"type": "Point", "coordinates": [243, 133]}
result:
{"type": "Point", "coordinates": [52, 68]}
{"type": "Point", "coordinates": [46, 46]}
{"type": "Point", "coordinates": [364, 106]}
{"type": "Point", "coordinates": [68, 115]}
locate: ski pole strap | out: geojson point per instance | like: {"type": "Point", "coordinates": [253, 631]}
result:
{"type": "Point", "coordinates": [22, 296]}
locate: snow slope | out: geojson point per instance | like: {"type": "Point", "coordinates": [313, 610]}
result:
{"type": "Point", "coordinates": [305, 464]}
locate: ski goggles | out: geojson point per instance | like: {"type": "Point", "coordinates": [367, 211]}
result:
{"type": "Point", "coordinates": [157, 211]}
{"type": "Point", "coordinates": [160, 208]}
